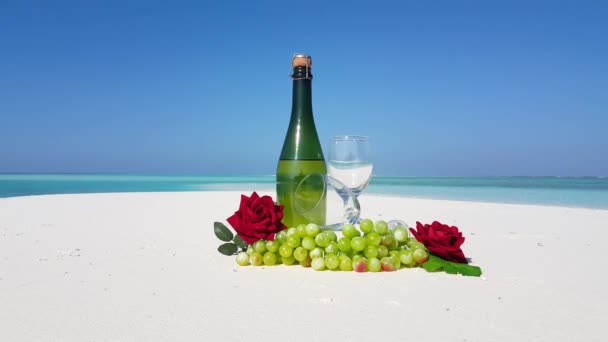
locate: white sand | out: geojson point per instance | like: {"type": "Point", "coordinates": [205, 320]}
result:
{"type": "Point", "coordinates": [144, 267]}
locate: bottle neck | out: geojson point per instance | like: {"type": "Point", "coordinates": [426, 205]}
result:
{"type": "Point", "coordinates": [302, 98]}
{"type": "Point", "coordinates": [301, 141]}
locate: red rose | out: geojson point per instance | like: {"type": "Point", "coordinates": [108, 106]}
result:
{"type": "Point", "coordinates": [257, 218]}
{"type": "Point", "coordinates": [442, 240]}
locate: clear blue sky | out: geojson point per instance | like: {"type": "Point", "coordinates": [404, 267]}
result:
{"type": "Point", "coordinates": [475, 88]}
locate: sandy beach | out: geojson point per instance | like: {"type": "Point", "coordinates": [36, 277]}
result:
{"type": "Point", "coordinates": [144, 267]}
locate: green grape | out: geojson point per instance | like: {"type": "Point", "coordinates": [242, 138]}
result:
{"type": "Point", "coordinates": [256, 259]}
{"type": "Point", "coordinates": [388, 240]}
{"type": "Point", "coordinates": [300, 253]}
{"type": "Point", "coordinates": [395, 245]}
{"type": "Point", "coordinates": [281, 237]}
{"type": "Point", "coordinates": [250, 249]}
{"type": "Point", "coordinates": [400, 234]}
{"type": "Point", "coordinates": [301, 229]}
{"type": "Point", "coordinates": [316, 252]}
{"type": "Point", "coordinates": [291, 231]}
{"type": "Point", "coordinates": [332, 261]}
{"type": "Point", "coordinates": [417, 245]}
{"type": "Point", "coordinates": [374, 265]}
{"type": "Point", "coordinates": [371, 252]}
{"type": "Point", "coordinates": [306, 262]}
{"type": "Point", "coordinates": [346, 264]}
{"type": "Point", "coordinates": [406, 257]}
{"type": "Point", "coordinates": [366, 226]}
{"type": "Point", "coordinates": [373, 239]}
{"type": "Point", "coordinates": [360, 265]}
{"type": "Point", "coordinates": [381, 227]}
{"type": "Point", "coordinates": [312, 229]}
{"type": "Point", "coordinates": [357, 243]}
{"type": "Point", "coordinates": [270, 258]}
{"type": "Point", "coordinates": [330, 235]}
{"type": "Point", "coordinates": [396, 260]}
{"type": "Point", "coordinates": [242, 259]}
{"type": "Point", "coordinates": [358, 257]}
{"type": "Point", "coordinates": [293, 241]}
{"type": "Point", "coordinates": [322, 240]}
{"type": "Point", "coordinates": [288, 260]}
{"type": "Point", "coordinates": [272, 246]}
{"type": "Point", "coordinates": [344, 245]}
{"type": "Point", "coordinates": [382, 251]}
{"type": "Point", "coordinates": [349, 231]}
{"type": "Point", "coordinates": [332, 248]}
{"type": "Point", "coordinates": [413, 244]}
{"type": "Point", "coordinates": [308, 243]}
{"type": "Point", "coordinates": [318, 264]}
{"type": "Point", "coordinates": [260, 246]}
{"type": "Point", "coordinates": [387, 264]}
{"type": "Point", "coordinates": [420, 255]}
{"type": "Point", "coordinates": [285, 250]}
{"type": "Point", "coordinates": [394, 252]}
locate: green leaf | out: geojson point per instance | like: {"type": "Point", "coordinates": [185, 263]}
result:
{"type": "Point", "coordinates": [227, 248]}
{"type": "Point", "coordinates": [239, 242]}
{"type": "Point", "coordinates": [222, 232]}
{"type": "Point", "coordinates": [435, 264]}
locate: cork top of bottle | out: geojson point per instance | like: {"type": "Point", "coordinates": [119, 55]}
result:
{"type": "Point", "coordinates": [301, 60]}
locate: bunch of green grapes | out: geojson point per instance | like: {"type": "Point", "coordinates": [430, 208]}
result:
{"type": "Point", "coordinates": [373, 248]}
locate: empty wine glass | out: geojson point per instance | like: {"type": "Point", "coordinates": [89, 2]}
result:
{"type": "Point", "coordinates": [349, 161]}
{"type": "Point", "coordinates": [325, 201]}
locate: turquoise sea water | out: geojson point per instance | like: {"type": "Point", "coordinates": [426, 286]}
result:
{"type": "Point", "coordinates": [572, 192]}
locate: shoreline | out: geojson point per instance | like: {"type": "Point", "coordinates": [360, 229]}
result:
{"type": "Point", "coordinates": [485, 202]}
{"type": "Point", "coordinates": [272, 194]}
{"type": "Point", "coordinates": [572, 192]}
{"type": "Point", "coordinates": [144, 266]}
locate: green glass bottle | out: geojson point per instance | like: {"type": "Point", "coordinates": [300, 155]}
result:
{"type": "Point", "coordinates": [301, 154]}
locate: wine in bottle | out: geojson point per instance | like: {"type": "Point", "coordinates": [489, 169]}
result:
{"type": "Point", "coordinates": [301, 154]}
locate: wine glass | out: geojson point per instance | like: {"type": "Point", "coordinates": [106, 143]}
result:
{"type": "Point", "coordinates": [349, 161]}
{"type": "Point", "coordinates": [325, 201]}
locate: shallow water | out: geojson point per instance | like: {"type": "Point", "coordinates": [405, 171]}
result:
{"type": "Point", "coordinates": [572, 192]}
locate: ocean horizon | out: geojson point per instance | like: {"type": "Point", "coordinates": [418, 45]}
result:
{"type": "Point", "coordinates": [585, 192]}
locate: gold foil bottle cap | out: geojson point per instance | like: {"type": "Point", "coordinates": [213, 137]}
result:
{"type": "Point", "coordinates": [301, 60]}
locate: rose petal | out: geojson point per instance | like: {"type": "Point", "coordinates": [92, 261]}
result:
{"type": "Point", "coordinates": [235, 220]}
{"type": "Point", "coordinates": [267, 200]}
{"type": "Point", "coordinates": [245, 202]}
{"type": "Point", "coordinates": [247, 239]}
{"type": "Point", "coordinates": [259, 226]}
{"type": "Point", "coordinates": [249, 215]}
{"type": "Point", "coordinates": [415, 233]}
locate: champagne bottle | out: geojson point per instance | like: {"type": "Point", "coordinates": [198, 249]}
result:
{"type": "Point", "coordinates": [301, 154]}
